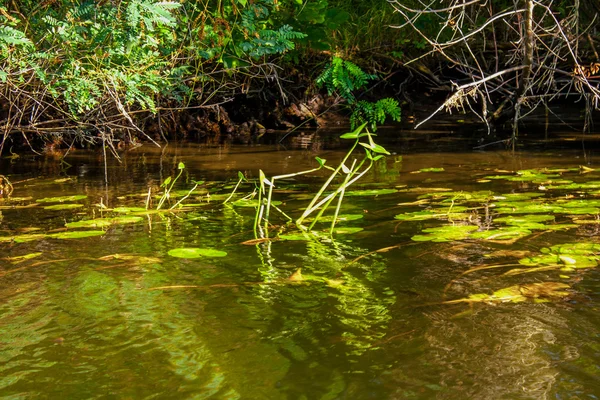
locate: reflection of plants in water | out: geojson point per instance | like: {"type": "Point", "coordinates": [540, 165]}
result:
{"type": "Point", "coordinates": [361, 308]}
{"type": "Point", "coordinates": [6, 187]}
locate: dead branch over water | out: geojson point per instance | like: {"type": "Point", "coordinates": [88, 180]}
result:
{"type": "Point", "coordinates": [511, 60]}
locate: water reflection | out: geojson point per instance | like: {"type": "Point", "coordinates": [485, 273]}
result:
{"type": "Point", "coordinates": [116, 316]}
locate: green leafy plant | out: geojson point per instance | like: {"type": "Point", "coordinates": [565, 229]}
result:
{"type": "Point", "coordinates": [346, 173]}
{"type": "Point", "coordinates": [345, 78]}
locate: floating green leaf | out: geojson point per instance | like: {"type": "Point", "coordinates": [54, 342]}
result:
{"type": "Point", "coordinates": [446, 233]}
{"type": "Point", "coordinates": [69, 206]}
{"type": "Point", "coordinates": [61, 199]}
{"type": "Point", "coordinates": [507, 233]}
{"type": "Point", "coordinates": [60, 235]}
{"type": "Point", "coordinates": [347, 231]}
{"type": "Point", "coordinates": [582, 248]}
{"type": "Point", "coordinates": [340, 218]}
{"type": "Point", "coordinates": [525, 219]}
{"type": "Point", "coordinates": [433, 169]}
{"type": "Point", "coordinates": [434, 214]}
{"type": "Point", "coordinates": [125, 210]}
{"type": "Point", "coordinates": [19, 259]}
{"type": "Point", "coordinates": [195, 252]}
{"type": "Point", "coordinates": [567, 262]}
{"type": "Point", "coordinates": [75, 234]}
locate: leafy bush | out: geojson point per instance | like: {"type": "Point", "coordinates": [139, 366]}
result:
{"type": "Point", "coordinates": [344, 78]}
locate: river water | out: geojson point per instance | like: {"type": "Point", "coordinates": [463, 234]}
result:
{"type": "Point", "coordinates": [366, 314]}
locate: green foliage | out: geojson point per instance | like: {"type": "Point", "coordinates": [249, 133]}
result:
{"type": "Point", "coordinates": [375, 113]}
{"type": "Point", "coordinates": [344, 78]}
{"type": "Point", "coordinates": [93, 64]}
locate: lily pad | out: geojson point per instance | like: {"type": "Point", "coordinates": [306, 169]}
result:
{"type": "Point", "coordinates": [518, 196]}
{"type": "Point", "coordinates": [433, 169]}
{"type": "Point", "coordinates": [432, 214]}
{"type": "Point", "coordinates": [525, 219]}
{"type": "Point", "coordinates": [478, 196]}
{"type": "Point", "coordinates": [340, 218]}
{"type": "Point", "coordinates": [567, 262]}
{"type": "Point", "coordinates": [347, 231]}
{"type": "Point", "coordinates": [126, 210]}
{"type": "Point", "coordinates": [60, 235]}
{"type": "Point", "coordinates": [523, 207]}
{"type": "Point", "coordinates": [19, 259]}
{"type": "Point", "coordinates": [22, 238]}
{"type": "Point", "coordinates": [69, 206]}
{"type": "Point", "coordinates": [75, 234]}
{"type": "Point", "coordinates": [573, 248]}
{"type": "Point", "coordinates": [195, 252]}
{"type": "Point", "coordinates": [507, 233]}
{"type": "Point", "coordinates": [62, 199]}
{"type": "Point", "coordinates": [446, 233]}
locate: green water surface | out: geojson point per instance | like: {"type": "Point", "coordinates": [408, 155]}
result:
{"type": "Point", "coordinates": [455, 286]}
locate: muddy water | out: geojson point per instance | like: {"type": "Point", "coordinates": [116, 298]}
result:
{"type": "Point", "coordinates": [118, 316]}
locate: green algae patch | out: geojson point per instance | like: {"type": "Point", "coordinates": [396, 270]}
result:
{"type": "Point", "coordinates": [433, 214]}
{"type": "Point", "coordinates": [61, 199]}
{"type": "Point", "coordinates": [196, 252]}
{"type": "Point", "coordinates": [69, 206]}
{"type": "Point", "coordinates": [447, 233]}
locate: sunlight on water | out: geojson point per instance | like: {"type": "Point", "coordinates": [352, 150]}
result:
{"type": "Point", "coordinates": [399, 308]}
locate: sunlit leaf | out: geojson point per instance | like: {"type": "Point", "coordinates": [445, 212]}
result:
{"type": "Point", "coordinates": [69, 206]}
{"type": "Point", "coordinates": [195, 252]}
{"type": "Point", "coordinates": [446, 233]}
{"type": "Point", "coordinates": [61, 199]}
{"type": "Point", "coordinates": [75, 234]}
{"type": "Point", "coordinates": [19, 259]}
